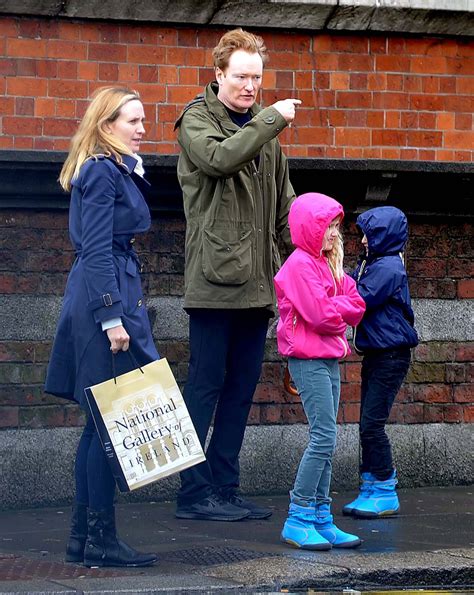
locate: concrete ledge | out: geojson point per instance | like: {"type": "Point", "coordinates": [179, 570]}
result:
{"type": "Point", "coordinates": [434, 17]}
{"type": "Point", "coordinates": [36, 466]}
{"type": "Point", "coordinates": [34, 318]}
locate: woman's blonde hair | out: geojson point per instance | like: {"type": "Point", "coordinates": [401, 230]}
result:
{"type": "Point", "coordinates": [234, 40]}
{"type": "Point", "coordinates": [335, 257]}
{"type": "Point", "coordinates": [91, 138]}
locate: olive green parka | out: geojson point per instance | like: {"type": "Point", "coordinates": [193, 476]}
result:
{"type": "Point", "coordinates": [236, 211]}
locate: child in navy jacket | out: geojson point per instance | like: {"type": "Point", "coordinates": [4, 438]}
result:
{"type": "Point", "coordinates": [384, 337]}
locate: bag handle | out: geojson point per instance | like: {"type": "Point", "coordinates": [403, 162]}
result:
{"type": "Point", "coordinates": [133, 359]}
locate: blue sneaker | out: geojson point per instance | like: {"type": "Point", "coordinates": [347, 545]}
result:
{"type": "Point", "coordinates": [382, 501]}
{"type": "Point", "coordinates": [327, 529]}
{"type": "Point", "coordinates": [299, 529]}
{"type": "Point", "coordinates": [364, 492]}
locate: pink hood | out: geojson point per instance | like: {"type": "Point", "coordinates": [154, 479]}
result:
{"type": "Point", "coordinates": [314, 309]}
{"type": "Point", "coordinates": [309, 217]}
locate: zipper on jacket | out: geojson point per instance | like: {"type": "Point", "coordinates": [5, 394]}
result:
{"type": "Point", "coordinates": [343, 344]}
{"type": "Point", "coordinates": [354, 328]}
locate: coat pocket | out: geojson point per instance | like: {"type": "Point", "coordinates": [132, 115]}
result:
{"type": "Point", "coordinates": [227, 256]}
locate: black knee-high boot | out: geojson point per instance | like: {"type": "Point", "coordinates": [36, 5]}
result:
{"type": "Point", "coordinates": [78, 535]}
{"type": "Point", "coordinates": [105, 548]}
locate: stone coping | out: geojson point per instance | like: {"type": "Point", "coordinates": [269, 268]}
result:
{"type": "Point", "coordinates": [433, 17]}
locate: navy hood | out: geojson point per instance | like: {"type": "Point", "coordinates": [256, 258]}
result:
{"type": "Point", "coordinates": [386, 229]}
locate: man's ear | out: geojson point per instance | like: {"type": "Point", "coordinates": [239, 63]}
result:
{"type": "Point", "coordinates": [219, 75]}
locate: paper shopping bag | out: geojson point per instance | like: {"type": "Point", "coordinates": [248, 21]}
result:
{"type": "Point", "coordinates": [144, 425]}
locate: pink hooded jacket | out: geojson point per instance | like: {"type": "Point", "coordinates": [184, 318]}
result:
{"type": "Point", "coordinates": [314, 309]}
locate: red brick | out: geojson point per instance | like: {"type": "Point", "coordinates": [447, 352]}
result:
{"type": "Point", "coordinates": [59, 127]}
{"type": "Point", "coordinates": [7, 106]}
{"type": "Point", "coordinates": [353, 100]}
{"type": "Point", "coordinates": [433, 393]}
{"type": "Point", "coordinates": [427, 120]}
{"type": "Point", "coordinates": [428, 102]}
{"type": "Point", "coordinates": [413, 413]}
{"type": "Point", "coordinates": [271, 414]}
{"type": "Point", "coordinates": [26, 87]}
{"type": "Point", "coordinates": [62, 89]}
{"type": "Point", "coordinates": [458, 139]}
{"type": "Point", "coordinates": [424, 139]}
{"type": "Point", "coordinates": [22, 126]}
{"type": "Point", "coordinates": [65, 108]}
{"type": "Point", "coordinates": [396, 414]}
{"type": "Point", "coordinates": [453, 414]}
{"type": "Point", "coordinates": [9, 417]}
{"type": "Point", "coordinates": [465, 352]}
{"type": "Point", "coordinates": [106, 52]}
{"type": "Point", "coordinates": [352, 136]}
{"type": "Point", "coordinates": [355, 62]}
{"type": "Point", "coordinates": [26, 48]}
{"type": "Point", "coordinates": [350, 412]}
{"type": "Point", "coordinates": [254, 415]}
{"type": "Point", "coordinates": [23, 142]}
{"type": "Point", "coordinates": [293, 414]}
{"type": "Point", "coordinates": [463, 393]}
{"type": "Point", "coordinates": [389, 100]}
{"type": "Point", "coordinates": [392, 63]}
{"type": "Point", "coordinates": [463, 121]}
{"type": "Point", "coordinates": [66, 50]}
{"type": "Point", "coordinates": [396, 138]}
{"type": "Point", "coordinates": [47, 69]}
{"type": "Point", "coordinates": [433, 414]}
{"type": "Point", "coordinates": [468, 413]}
{"type": "Point", "coordinates": [445, 121]}
{"type": "Point", "coordinates": [350, 392]}
{"type": "Point", "coordinates": [466, 289]}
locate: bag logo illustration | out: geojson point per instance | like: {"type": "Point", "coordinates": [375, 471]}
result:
{"type": "Point", "coordinates": [144, 425]}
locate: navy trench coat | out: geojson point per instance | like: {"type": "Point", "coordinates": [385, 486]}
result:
{"type": "Point", "coordinates": [107, 209]}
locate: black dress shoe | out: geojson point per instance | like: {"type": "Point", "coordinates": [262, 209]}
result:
{"type": "Point", "coordinates": [212, 508]}
{"type": "Point", "coordinates": [256, 511]}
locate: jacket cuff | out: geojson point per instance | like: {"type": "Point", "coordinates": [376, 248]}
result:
{"type": "Point", "coordinates": [108, 306]}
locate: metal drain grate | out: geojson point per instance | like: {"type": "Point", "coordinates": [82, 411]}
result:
{"type": "Point", "coordinates": [212, 556]}
{"type": "Point", "coordinates": [14, 568]}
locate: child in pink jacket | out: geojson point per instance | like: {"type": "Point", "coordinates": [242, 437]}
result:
{"type": "Point", "coordinates": [317, 301]}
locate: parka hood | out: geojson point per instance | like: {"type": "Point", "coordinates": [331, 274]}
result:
{"type": "Point", "coordinates": [309, 217]}
{"type": "Point", "coordinates": [386, 229]}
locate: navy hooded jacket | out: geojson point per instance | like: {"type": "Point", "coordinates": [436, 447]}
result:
{"type": "Point", "coordinates": [382, 282]}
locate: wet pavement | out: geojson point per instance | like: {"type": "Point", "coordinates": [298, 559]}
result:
{"type": "Point", "coordinates": [429, 546]}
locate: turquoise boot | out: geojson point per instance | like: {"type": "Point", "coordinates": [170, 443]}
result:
{"type": "Point", "coordinates": [382, 500]}
{"type": "Point", "coordinates": [364, 492]}
{"type": "Point", "coordinates": [327, 529]}
{"type": "Point", "coordinates": [299, 529]}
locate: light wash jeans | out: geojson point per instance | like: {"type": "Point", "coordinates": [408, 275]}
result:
{"type": "Point", "coordinates": [318, 382]}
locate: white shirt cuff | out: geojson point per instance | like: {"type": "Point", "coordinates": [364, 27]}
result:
{"type": "Point", "coordinates": [111, 323]}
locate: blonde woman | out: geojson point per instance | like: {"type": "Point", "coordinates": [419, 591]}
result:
{"type": "Point", "coordinates": [316, 301]}
{"type": "Point", "coordinates": [103, 310]}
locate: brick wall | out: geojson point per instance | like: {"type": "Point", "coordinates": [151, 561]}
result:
{"type": "Point", "coordinates": [438, 389]}
{"type": "Point", "coordinates": [390, 97]}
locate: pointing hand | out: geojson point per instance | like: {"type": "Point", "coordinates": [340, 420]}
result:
{"type": "Point", "coordinates": [287, 108]}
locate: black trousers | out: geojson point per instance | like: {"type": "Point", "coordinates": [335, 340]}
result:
{"type": "Point", "coordinates": [227, 349]}
{"type": "Point", "coordinates": [383, 373]}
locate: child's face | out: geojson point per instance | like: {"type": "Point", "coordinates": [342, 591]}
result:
{"type": "Point", "coordinates": [365, 244]}
{"type": "Point", "coordinates": [331, 234]}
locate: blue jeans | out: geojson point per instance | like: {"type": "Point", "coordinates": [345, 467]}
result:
{"type": "Point", "coordinates": [383, 372]}
{"type": "Point", "coordinates": [318, 382]}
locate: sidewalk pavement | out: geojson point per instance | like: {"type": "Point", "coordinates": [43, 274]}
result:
{"type": "Point", "coordinates": [430, 545]}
